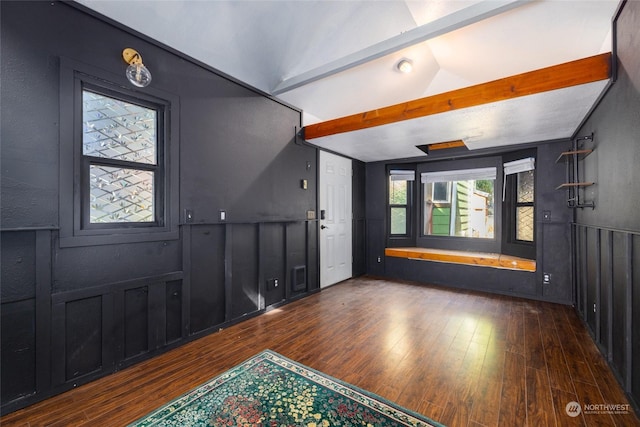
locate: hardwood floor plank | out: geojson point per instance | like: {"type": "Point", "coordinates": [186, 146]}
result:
{"type": "Point", "coordinates": [463, 391]}
{"type": "Point", "coordinates": [534, 350]}
{"type": "Point", "coordinates": [515, 330]}
{"type": "Point", "coordinates": [463, 358]}
{"type": "Point", "coordinates": [539, 404]}
{"type": "Point", "coordinates": [513, 399]}
{"type": "Point", "coordinates": [486, 406]}
{"type": "Point", "coordinates": [557, 368]}
{"type": "Point", "coordinates": [560, 401]}
{"type": "Point", "coordinates": [589, 394]}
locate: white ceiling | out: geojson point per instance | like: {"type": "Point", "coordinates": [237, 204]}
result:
{"type": "Point", "coordinates": [336, 58]}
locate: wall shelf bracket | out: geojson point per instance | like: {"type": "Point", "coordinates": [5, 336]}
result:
{"type": "Point", "coordinates": [574, 184]}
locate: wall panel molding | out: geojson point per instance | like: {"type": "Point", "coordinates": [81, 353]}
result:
{"type": "Point", "coordinates": [609, 273]}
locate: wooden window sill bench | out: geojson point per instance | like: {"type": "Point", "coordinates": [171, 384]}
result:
{"type": "Point", "coordinates": [482, 259]}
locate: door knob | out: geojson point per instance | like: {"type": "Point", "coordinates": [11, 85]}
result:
{"type": "Point", "coordinates": [322, 227]}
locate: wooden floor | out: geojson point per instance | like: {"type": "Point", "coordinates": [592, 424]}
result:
{"type": "Point", "coordinates": [460, 358]}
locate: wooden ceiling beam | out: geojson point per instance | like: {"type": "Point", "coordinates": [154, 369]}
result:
{"type": "Point", "coordinates": [581, 71]}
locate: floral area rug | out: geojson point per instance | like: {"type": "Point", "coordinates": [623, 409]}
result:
{"type": "Point", "coordinates": [271, 390]}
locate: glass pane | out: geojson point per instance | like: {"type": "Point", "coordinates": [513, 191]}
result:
{"type": "Point", "coordinates": [465, 210]}
{"type": "Point", "coordinates": [525, 187]}
{"type": "Point", "coordinates": [441, 192]}
{"type": "Point", "coordinates": [524, 223]}
{"type": "Point", "coordinates": [398, 221]}
{"type": "Point", "coordinates": [120, 195]}
{"type": "Point", "coordinates": [397, 192]}
{"type": "Point", "coordinates": [116, 129]}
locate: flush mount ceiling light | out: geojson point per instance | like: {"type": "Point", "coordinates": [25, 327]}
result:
{"type": "Point", "coordinates": [137, 73]}
{"type": "Point", "coordinates": [404, 66]}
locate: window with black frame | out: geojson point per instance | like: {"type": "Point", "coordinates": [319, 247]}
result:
{"type": "Point", "coordinates": [122, 160]}
{"type": "Point", "coordinates": [400, 202]}
{"type": "Point", "coordinates": [519, 204]}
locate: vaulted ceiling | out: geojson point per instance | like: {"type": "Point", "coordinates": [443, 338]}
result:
{"type": "Point", "coordinates": [336, 59]}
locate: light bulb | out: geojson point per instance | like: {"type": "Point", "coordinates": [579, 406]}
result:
{"type": "Point", "coordinates": [138, 75]}
{"type": "Point", "coordinates": [405, 66]}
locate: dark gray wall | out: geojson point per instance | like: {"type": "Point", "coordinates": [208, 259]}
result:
{"type": "Point", "coordinates": [359, 218]}
{"type": "Point", "coordinates": [607, 247]}
{"type": "Point", "coordinates": [73, 313]}
{"type": "Point", "coordinates": [552, 236]}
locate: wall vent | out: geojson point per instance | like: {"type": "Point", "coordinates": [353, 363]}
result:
{"type": "Point", "coordinates": [299, 278]}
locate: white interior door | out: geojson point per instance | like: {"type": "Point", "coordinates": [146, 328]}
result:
{"type": "Point", "coordinates": [335, 219]}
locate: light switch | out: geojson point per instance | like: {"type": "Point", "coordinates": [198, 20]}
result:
{"type": "Point", "coordinates": [223, 215]}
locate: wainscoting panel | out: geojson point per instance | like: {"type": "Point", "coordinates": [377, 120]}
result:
{"type": "Point", "coordinates": [272, 263]}
{"type": "Point", "coordinates": [244, 291]}
{"type": "Point", "coordinates": [17, 322]}
{"type": "Point", "coordinates": [83, 336]}
{"type": "Point", "coordinates": [296, 249]}
{"type": "Point", "coordinates": [206, 270]}
{"type": "Point", "coordinates": [173, 300]}
{"type": "Point", "coordinates": [607, 286]}
{"type": "Point", "coordinates": [109, 326]}
{"type": "Point", "coordinates": [136, 325]}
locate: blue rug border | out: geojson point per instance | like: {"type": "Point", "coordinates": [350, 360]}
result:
{"type": "Point", "coordinates": [317, 372]}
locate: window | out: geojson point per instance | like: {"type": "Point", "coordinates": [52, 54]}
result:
{"type": "Point", "coordinates": [459, 203]}
{"type": "Point", "coordinates": [400, 190]}
{"type": "Point", "coordinates": [524, 206]}
{"type": "Point", "coordinates": [121, 161]}
{"type": "Point", "coordinates": [519, 215]}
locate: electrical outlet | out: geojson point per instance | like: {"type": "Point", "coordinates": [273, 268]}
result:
{"type": "Point", "coordinates": [546, 278]}
{"type": "Point", "coordinates": [379, 259]}
{"type": "Point", "coordinates": [546, 215]}
{"type": "Point", "coordinates": [594, 307]}
{"type": "Point", "coordinates": [272, 284]}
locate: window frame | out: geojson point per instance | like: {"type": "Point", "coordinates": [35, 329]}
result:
{"type": "Point", "coordinates": [510, 244]}
{"type": "Point", "coordinates": [519, 204]}
{"type": "Point", "coordinates": [407, 238]}
{"type": "Point", "coordinates": [457, 242]}
{"type": "Point", "coordinates": [158, 168]}
{"type": "Point", "coordinates": [75, 226]}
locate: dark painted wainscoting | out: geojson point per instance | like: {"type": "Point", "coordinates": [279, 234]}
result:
{"type": "Point", "coordinates": [607, 275]}
{"type": "Point", "coordinates": [230, 273]}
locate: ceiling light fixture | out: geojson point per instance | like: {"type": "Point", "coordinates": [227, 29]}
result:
{"type": "Point", "coordinates": [404, 66]}
{"type": "Point", "coordinates": [137, 74]}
